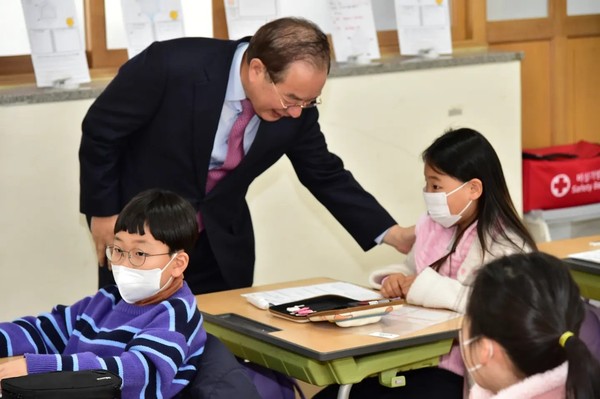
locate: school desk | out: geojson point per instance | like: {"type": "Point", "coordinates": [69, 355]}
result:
{"type": "Point", "coordinates": [585, 274]}
{"type": "Point", "coordinates": [319, 353]}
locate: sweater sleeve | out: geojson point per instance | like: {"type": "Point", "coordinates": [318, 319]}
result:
{"type": "Point", "coordinates": [158, 361]}
{"type": "Point", "coordinates": [432, 290]}
{"type": "Point", "coordinates": [47, 333]}
{"type": "Point", "coordinates": [407, 268]}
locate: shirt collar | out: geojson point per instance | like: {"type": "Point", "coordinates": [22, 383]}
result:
{"type": "Point", "coordinates": [235, 90]}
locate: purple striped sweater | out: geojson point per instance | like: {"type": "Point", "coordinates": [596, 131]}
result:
{"type": "Point", "coordinates": [155, 349]}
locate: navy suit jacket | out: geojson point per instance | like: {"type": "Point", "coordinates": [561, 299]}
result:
{"type": "Point", "coordinates": [154, 126]}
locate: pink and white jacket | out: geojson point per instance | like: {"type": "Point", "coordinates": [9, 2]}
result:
{"type": "Point", "coordinates": [449, 287]}
{"type": "Point", "coordinates": [547, 385]}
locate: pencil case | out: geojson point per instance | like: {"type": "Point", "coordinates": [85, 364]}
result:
{"type": "Point", "coordinates": [341, 310]}
{"type": "Point", "coordinates": [83, 384]}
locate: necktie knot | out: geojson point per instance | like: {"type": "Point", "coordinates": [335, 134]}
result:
{"type": "Point", "coordinates": [247, 108]}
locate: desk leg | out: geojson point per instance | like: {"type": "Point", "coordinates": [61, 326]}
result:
{"type": "Point", "coordinates": [344, 391]}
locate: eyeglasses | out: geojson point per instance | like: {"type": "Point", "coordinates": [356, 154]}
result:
{"type": "Point", "coordinates": [136, 257]}
{"type": "Point", "coordinates": [465, 343]}
{"type": "Point", "coordinates": [302, 105]}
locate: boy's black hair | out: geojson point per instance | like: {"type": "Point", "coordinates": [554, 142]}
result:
{"type": "Point", "coordinates": [170, 218]}
{"type": "Point", "coordinates": [526, 302]}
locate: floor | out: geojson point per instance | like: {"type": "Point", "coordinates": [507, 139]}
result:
{"type": "Point", "coordinates": [308, 389]}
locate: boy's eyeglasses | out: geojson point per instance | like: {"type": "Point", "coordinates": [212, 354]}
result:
{"type": "Point", "coordinates": [302, 105]}
{"type": "Point", "coordinates": [136, 257]}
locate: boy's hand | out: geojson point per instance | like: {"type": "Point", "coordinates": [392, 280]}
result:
{"type": "Point", "coordinates": [397, 285]}
{"type": "Point", "coordinates": [13, 368]}
{"type": "Point", "coordinates": [102, 229]}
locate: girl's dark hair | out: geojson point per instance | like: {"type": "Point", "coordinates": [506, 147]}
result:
{"type": "Point", "coordinates": [170, 218]}
{"type": "Point", "coordinates": [286, 40]}
{"type": "Point", "coordinates": [526, 302]}
{"type": "Point", "coordinates": [466, 154]}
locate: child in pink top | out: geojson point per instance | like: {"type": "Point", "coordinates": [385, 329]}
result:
{"type": "Point", "coordinates": [470, 220]}
{"type": "Point", "coordinates": [524, 342]}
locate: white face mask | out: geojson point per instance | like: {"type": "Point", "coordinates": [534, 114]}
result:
{"type": "Point", "coordinates": [135, 285]}
{"type": "Point", "coordinates": [438, 210]}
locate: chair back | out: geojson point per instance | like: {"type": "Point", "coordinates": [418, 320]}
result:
{"type": "Point", "coordinates": [220, 375]}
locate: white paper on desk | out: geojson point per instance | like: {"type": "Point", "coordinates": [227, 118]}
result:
{"type": "Point", "coordinates": [423, 26]}
{"type": "Point", "coordinates": [353, 33]}
{"type": "Point", "coordinates": [284, 295]}
{"type": "Point", "coordinates": [57, 50]}
{"type": "Point", "coordinates": [147, 21]}
{"type": "Point", "coordinates": [405, 320]}
{"type": "Point", "coordinates": [590, 256]}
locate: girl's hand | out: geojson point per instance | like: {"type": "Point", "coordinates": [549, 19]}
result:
{"type": "Point", "coordinates": [13, 368]}
{"type": "Point", "coordinates": [397, 285]}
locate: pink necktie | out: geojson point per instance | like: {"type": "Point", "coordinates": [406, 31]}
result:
{"type": "Point", "coordinates": [235, 146]}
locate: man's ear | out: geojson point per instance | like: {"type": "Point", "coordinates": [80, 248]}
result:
{"type": "Point", "coordinates": [475, 189]}
{"type": "Point", "coordinates": [180, 263]}
{"type": "Point", "coordinates": [256, 70]}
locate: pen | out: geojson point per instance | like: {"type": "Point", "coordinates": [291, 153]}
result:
{"type": "Point", "coordinates": [373, 302]}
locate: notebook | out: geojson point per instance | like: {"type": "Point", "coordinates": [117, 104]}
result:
{"type": "Point", "coordinates": [589, 256]}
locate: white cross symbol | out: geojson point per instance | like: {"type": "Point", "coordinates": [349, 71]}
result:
{"type": "Point", "coordinates": [560, 185]}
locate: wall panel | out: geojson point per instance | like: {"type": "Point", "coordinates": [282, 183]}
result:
{"type": "Point", "coordinates": [535, 91]}
{"type": "Point", "coordinates": [583, 89]}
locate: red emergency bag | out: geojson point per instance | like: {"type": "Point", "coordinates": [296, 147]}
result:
{"type": "Point", "coordinates": [561, 176]}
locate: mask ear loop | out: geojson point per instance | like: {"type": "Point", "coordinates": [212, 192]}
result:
{"type": "Point", "coordinates": [480, 365]}
{"type": "Point", "coordinates": [456, 189]}
{"type": "Point", "coordinates": [163, 269]}
{"type": "Point", "coordinates": [465, 208]}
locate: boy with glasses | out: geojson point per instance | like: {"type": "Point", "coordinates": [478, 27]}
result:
{"type": "Point", "coordinates": [147, 329]}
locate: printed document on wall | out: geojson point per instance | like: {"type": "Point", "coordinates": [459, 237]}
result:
{"type": "Point", "coordinates": [423, 27]}
{"type": "Point", "coordinates": [244, 17]}
{"type": "Point", "coordinates": [147, 21]}
{"type": "Point", "coordinates": [57, 49]}
{"type": "Point", "coordinates": [354, 35]}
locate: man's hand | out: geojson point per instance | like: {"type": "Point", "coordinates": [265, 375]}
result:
{"type": "Point", "coordinates": [13, 368]}
{"type": "Point", "coordinates": [401, 238]}
{"type": "Point", "coordinates": [397, 285]}
{"type": "Point", "coordinates": [102, 229]}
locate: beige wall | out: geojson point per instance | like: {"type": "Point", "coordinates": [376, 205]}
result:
{"type": "Point", "coordinates": [379, 125]}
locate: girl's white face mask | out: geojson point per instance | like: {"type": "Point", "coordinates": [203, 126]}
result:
{"type": "Point", "coordinates": [438, 210]}
{"type": "Point", "coordinates": [135, 285]}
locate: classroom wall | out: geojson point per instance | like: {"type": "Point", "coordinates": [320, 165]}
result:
{"type": "Point", "coordinates": [379, 124]}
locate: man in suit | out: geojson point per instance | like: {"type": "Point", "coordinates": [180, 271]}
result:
{"type": "Point", "coordinates": [165, 119]}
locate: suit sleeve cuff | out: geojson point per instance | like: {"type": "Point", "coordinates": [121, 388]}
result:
{"type": "Point", "coordinates": [379, 238]}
